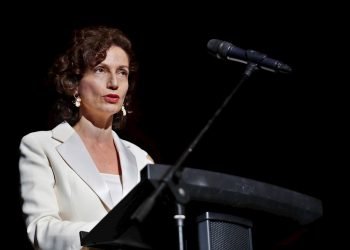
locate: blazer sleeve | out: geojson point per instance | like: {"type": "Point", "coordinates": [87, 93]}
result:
{"type": "Point", "coordinates": [45, 228]}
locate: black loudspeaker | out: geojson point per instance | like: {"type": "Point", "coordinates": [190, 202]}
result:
{"type": "Point", "coordinates": [218, 231]}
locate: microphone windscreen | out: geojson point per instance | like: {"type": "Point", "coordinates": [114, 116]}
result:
{"type": "Point", "coordinates": [213, 45]}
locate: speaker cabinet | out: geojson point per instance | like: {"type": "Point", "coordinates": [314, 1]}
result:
{"type": "Point", "coordinates": [218, 231]}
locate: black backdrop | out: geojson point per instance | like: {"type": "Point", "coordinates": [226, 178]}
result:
{"type": "Point", "coordinates": [278, 128]}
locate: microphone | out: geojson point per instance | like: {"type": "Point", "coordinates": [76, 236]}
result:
{"type": "Point", "coordinates": [226, 50]}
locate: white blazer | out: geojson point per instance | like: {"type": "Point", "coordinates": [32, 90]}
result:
{"type": "Point", "coordinates": [62, 190]}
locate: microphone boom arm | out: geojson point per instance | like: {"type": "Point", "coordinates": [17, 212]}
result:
{"type": "Point", "coordinates": [172, 175]}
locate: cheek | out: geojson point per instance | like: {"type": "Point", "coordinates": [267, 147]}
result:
{"type": "Point", "coordinates": [87, 86]}
{"type": "Point", "coordinates": [124, 88]}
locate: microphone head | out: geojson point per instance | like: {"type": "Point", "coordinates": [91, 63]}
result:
{"type": "Point", "coordinates": [218, 48]}
{"type": "Point", "coordinates": [213, 44]}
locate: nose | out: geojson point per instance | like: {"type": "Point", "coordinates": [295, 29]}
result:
{"type": "Point", "coordinates": [113, 83]}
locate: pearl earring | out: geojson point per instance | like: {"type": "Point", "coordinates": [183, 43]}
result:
{"type": "Point", "coordinates": [77, 100]}
{"type": "Point", "coordinates": [123, 110]}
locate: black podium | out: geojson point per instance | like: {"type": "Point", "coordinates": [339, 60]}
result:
{"type": "Point", "coordinates": [224, 212]}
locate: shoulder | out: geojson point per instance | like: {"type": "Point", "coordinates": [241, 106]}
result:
{"type": "Point", "coordinates": [142, 157]}
{"type": "Point", "coordinates": [37, 136]}
{"type": "Point", "coordinates": [133, 147]}
{"type": "Point", "coordinates": [60, 133]}
{"type": "Point", "coordinates": [35, 142]}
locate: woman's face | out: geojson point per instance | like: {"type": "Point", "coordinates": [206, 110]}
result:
{"type": "Point", "coordinates": [103, 89]}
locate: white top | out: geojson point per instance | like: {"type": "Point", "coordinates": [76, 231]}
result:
{"type": "Point", "coordinates": [115, 186]}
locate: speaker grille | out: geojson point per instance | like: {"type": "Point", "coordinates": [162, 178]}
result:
{"type": "Point", "coordinates": [224, 232]}
{"type": "Point", "coordinates": [227, 236]}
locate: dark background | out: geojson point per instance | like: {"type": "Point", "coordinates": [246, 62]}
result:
{"type": "Point", "coordinates": [278, 128]}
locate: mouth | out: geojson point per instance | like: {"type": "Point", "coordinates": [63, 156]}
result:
{"type": "Point", "coordinates": [111, 98]}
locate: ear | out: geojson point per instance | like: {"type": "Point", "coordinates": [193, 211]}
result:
{"type": "Point", "coordinates": [75, 91]}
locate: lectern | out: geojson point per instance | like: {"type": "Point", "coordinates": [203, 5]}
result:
{"type": "Point", "coordinates": [221, 214]}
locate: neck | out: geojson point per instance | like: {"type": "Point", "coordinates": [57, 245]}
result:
{"type": "Point", "coordinates": [99, 132]}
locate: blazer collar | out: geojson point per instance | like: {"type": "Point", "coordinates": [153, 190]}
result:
{"type": "Point", "coordinates": [130, 171]}
{"type": "Point", "coordinates": [62, 132]}
{"type": "Point", "coordinates": [74, 152]}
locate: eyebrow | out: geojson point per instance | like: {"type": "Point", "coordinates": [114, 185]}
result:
{"type": "Point", "coordinates": [124, 67]}
{"type": "Point", "coordinates": [107, 66]}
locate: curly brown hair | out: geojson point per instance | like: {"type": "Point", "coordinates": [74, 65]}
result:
{"type": "Point", "coordinates": [88, 49]}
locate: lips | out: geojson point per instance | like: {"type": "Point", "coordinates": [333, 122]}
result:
{"type": "Point", "coordinates": [112, 98]}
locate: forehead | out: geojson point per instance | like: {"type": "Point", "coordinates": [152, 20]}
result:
{"type": "Point", "coordinates": [116, 55]}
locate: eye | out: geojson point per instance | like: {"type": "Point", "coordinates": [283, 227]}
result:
{"type": "Point", "coordinates": [99, 69]}
{"type": "Point", "coordinates": [123, 72]}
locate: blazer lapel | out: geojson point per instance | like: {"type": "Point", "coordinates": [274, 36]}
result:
{"type": "Point", "coordinates": [74, 152]}
{"type": "Point", "coordinates": [130, 172]}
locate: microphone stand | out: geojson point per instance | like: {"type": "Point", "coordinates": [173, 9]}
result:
{"type": "Point", "coordinates": [171, 177]}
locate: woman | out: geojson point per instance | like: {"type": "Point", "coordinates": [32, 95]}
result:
{"type": "Point", "coordinates": [74, 174]}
